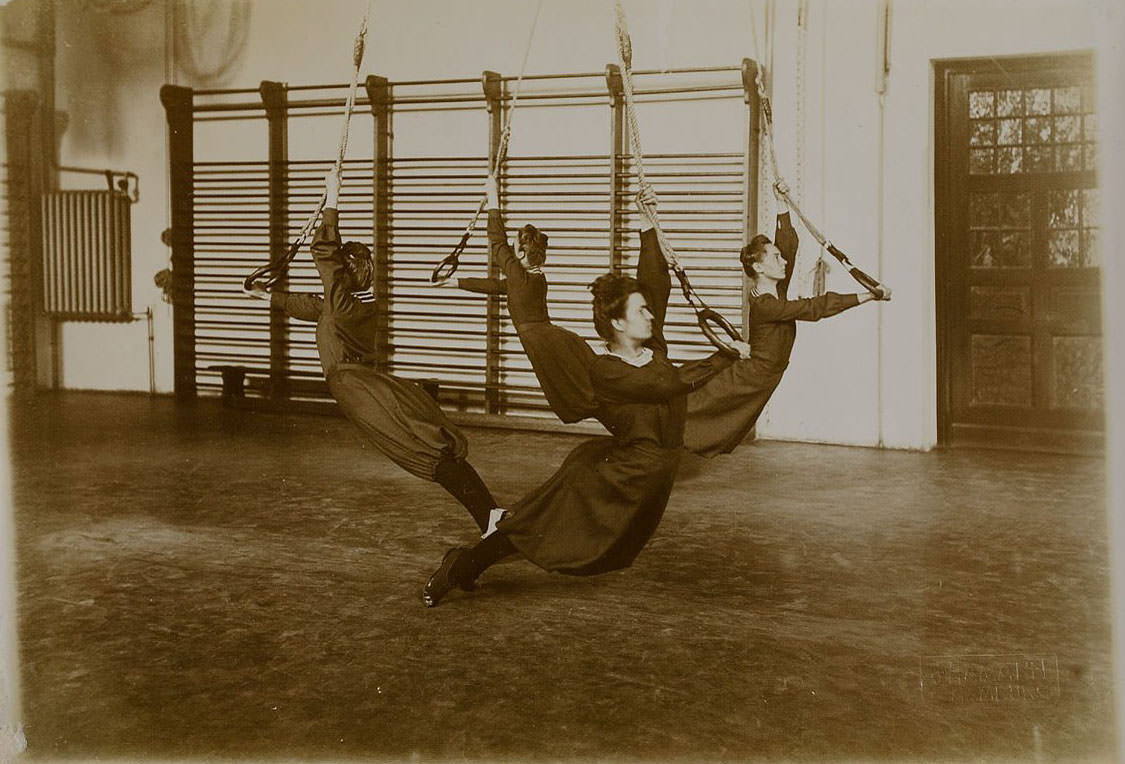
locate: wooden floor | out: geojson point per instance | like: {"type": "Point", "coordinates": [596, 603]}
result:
{"type": "Point", "coordinates": [197, 582]}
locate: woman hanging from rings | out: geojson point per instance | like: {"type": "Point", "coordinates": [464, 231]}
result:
{"type": "Point", "coordinates": [560, 358]}
{"type": "Point", "coordinates": [596, 513]}
{"type": "Point", "coordinates": [396, 415]}
{"type": "Point", "coordinates": [722, 412]}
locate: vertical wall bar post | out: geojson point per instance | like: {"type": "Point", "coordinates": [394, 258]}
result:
{"type": "Point", "coordinates": [494, 101]}
{"type": "Point", "coordinates": [618, 183]}
{"type": "Point", "coordinates": [379, 96]}
{"type": "Point", "coordinates": [177, 103]}
{"type": "Point", "coordinates": [22, 119]}
{"type": "Point", "coordinates": [750, 167]}
{"type": "Point", "coordinates": [275, 98]}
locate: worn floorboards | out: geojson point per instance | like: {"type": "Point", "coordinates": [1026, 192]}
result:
{"type": "Point", "coordinates": [195, 582]}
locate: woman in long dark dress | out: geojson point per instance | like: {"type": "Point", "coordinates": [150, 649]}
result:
{"type": "Point", "coordinates": [396, 415]}
{"type": "Point", "coordinates": [722, 412]}
{"type": "Point", "coordinates": [560, 358]}
{"type": "Point", "coordinates": [600, 508]}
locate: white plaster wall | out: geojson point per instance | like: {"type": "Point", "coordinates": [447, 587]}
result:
{"type": "Point", "coordinates": [109, 69]}
{"type": "Point", "coordinates": [865, 377]}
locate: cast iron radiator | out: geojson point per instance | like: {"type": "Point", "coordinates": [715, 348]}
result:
{"type": "Point", "coordinates": [86, 256]}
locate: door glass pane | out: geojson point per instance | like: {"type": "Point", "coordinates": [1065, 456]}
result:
{"type": "Point", "coordinates": [1066, 129]}
{"type": "Point", "coordinates": [982, 104]}
{"type": "Point", "coordinates": [983, 210]}
{"type": "Point", "coordinates": [1091, 156]}
{"type": "Point", "coordinates": [1037, 130]}
{"type": "Point", "coordinates": [982, 245]}
{"type": "Point", "coordinates": [1077, 373]}
{"type": "Point", "coordinates": [1068, 157]}
{"type": "Point", "coordinates": [1063, 209]}
{"type": "Point", "coordinates": [1062, 249]}
{"type": "Point", "coordinates": [1068, 100]}
{"type": "Point", "coordinates": [1011, 132]}
{"type": "Point", "coordinates": [1008, 160]}
{"type": "Point", "coordinates": [1089, 205]}
{"type": "Point", "coordinates": [1091, 248]}
{"type": "Point", "coordinates": [1013, 249]}
{"type": "Point", "coordinates": [1015, 211]}
{"type": "Point", "coordinates": [981, 161]}
{"type": "Point", "coordinates": [1000, 230]}
{"type": "Point", "coordinates": [1091, 199]}
{"type": "Point", "coordinates": [984, 133]}
{"type": "Point", "coordinates": [1038, 101]}
{"type": "Point", "coordinates": [1037, 159]}
{"type": "Point", "coordinates": [1090, 127]}
{"type": "Point", "coordinates": [1009, 103]}
{"type": "Point", "coordinates": [1001, 370]}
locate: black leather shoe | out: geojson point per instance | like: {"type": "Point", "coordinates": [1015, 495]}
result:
{"type": "Point", "coordinates": [442, 582]}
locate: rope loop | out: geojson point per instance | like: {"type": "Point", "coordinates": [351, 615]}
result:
{"type": "Point", "coordinates": [268, 275]}
{"type": "Point", "coordinates": [625, 53]}
{"type": "Point", "coordinates": [444, 270]}
{"type": "Point", "coordinates": [862, 278]}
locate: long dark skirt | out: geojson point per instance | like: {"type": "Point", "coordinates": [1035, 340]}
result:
{"type": "Point", "coordinates": [721, 413]}
{"type": "Point", "coordinates": [599, 509]}
{"type": "Point", "coordinates": [398, 417]}
{"type": "Point", "coordinates": [561, 361]}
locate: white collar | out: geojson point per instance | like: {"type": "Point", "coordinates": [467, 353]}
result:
{"type": "Point", "coordinates": [641, 360]}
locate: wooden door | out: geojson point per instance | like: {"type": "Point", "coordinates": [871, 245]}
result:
{"type": "Point", "coordinates": [1019, 343]}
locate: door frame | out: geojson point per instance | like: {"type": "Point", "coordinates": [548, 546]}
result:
{"type": "Point", "coordinates": [945, 206]}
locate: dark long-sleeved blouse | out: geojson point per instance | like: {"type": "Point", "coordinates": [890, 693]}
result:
{"type": "Point", "coordinates": [600, 508]}
{"type": "Point", "coordinates": [772, 327]}
{"type": "Point", "coordinates": [393, 413]}
{"type": "Point", "coordinates": [724, 411]}
{"type": "Point", "coordinates": [526, 290]}
{"type": "Point", "coordinates": [345, 326]}
{"type": "Point", "coordinates": [559, 357]}
{"type": "Point", "coordinates": [649, 403]}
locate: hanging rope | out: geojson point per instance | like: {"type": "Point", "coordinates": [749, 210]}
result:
{"type": "Point", "coordinates": [444, 270]}
{"type": "Point", "coordinates": [705, 315]}
{"type": "Point", "coordinates": [864, 280]}
{"type": "Point", "coordinates": [820, 267]}
{"type": "Point", "coordinates": [268, 275]}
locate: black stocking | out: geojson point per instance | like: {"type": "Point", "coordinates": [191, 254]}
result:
{"type": "Point", "coordinates": [479, 558]}
{"type": "Point", "coordinates": [462, 481]}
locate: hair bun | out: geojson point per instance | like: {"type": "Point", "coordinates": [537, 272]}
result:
{"type": "Point", "coordinates": [603, 285]}
{"type": "Point", "coordinates": [611, 293]}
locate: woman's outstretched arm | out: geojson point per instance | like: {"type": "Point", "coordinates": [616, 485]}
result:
{"type": "Point", "coordinates": [483, 285]}
{"type": "Point", "coordinates": [501, 250]}
{"type": "Point", "coordinates": [300, 305]}
{"type": "Point", "coordinates": [326, 241]}
{"type": "Point", "coordinates": [652, 270]}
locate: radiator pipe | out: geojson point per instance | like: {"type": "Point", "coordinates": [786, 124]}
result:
{"type": "Point", "coordinates": [151, 349]}
{"type": "Point", "coordinates": [109, 175]}
{"type": "Point", "coordinates": [151, 352]}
